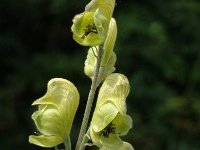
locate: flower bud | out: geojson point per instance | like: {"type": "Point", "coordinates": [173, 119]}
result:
{"type": "Point", "coordinates": [90, 64]}
{"type": "Point", "coordinates": [109, 42]}
{"type": "Point", "coordinates": [55, 114]}
{"type": "Point", "coordinates": [110, 120]}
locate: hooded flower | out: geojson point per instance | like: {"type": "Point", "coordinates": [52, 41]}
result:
{"type": "Point", "coordinates": [90, 27]}
{"type": "Point", "coordinates": [55, 114]}
{"type": "Point", "coordinates": [110, 120]}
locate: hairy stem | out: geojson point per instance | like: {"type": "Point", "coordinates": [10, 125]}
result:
{"type": "Point", "coordinates": [90, 100]}
{"type": "Point", "coordinates": [85, 140]}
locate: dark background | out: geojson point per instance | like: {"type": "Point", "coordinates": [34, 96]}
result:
{"type": "Point", "coordinates": [158, 49]}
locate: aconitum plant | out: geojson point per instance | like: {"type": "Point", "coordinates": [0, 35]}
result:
{"type": "Point", "coordinates": [97, 29]}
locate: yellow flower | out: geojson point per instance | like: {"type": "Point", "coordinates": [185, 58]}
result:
{"type": "Point", "coordinates": [90, 27]}
{"type": "Point", "coordinates": [55, 114]}
{"type": "Point", "coordinates": [110, 120]}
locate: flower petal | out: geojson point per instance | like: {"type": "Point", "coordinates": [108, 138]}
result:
{"type": "Point", "coordinates": [115, 88]}
{"type": "Point", "coordinates": [111, 143]}
{"type": "Point", "coordinates": [43, 120]}
{"type": "Point", "coordinates": [103, 116]}
{"type": "Point", "coordinates": [45, 141]}
{"type": "Point", "coordinates": [123, 123]}
{"type": "Point", "coordinates": [105, 6]}
{"type": "Point", "coordinates": [109, 42]}
{"type": "Point", "coordinates": [126, 146]}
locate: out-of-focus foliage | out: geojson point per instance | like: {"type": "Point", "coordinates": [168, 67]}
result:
{"type": "Point", "coordinates": [158, 49]}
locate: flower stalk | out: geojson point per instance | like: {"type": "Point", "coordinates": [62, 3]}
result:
{"type": "Point", "coordinates": [90, 100]}
{"type": "Point", "coordinates": [67, 143]}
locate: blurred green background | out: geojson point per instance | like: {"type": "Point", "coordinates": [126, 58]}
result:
{"type": "Point", "coordinates": [158, 49]}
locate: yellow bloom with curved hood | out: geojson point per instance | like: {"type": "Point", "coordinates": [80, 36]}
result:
{"type": "Point", "coordinates": [110, 120]}
{"type": "Point", "coordinates": [55, 114]}
{"type": "Point", "coordinates": [90, 27]}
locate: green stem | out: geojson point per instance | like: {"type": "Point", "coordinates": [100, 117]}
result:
{"type": "Point", "coordinates": [85, 140]}
{"type": "Point", "coordinates": [67, 143]}
{"type": "Point", "coordinates": [90, 100]}
{"type": "Point", "coordinates": [56, 147]}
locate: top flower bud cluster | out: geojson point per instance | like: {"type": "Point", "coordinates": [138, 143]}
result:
{"type": "Point", "coordinates": [96, 28]}
{"type": "Point", "coordinates": [90, 27]}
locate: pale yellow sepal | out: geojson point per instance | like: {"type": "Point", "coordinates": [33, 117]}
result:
{"type": "Point", "coordinates": [110, 120]}
{"type": "Point", "coordinates": [45, 141]}
{"type": "Point", "coordinates": [55, 114]}
{"type": "Point", "coordinates": [124, 146]}
{"type": "Point", "coordinates": [115, 88]}
{"type": "Point", "coordinates": [105, 6]}
{"type": "Point", "coordinates": [109, 42]}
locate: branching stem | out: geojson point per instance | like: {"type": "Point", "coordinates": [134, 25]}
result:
{"type": "Point", "coordinates": [91, 95]}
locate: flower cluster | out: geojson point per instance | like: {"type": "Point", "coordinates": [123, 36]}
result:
{"type": "Point", "coordinates": [96, 28]}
